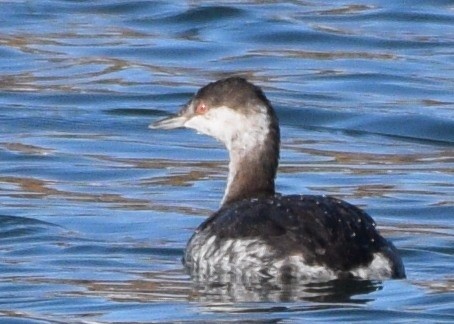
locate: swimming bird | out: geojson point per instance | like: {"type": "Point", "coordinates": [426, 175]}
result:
{"type": "Point", "coordinates": [258, 234]}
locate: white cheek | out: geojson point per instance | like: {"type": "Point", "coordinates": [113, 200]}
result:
{"type": "Point", "coordinates": [198, 123]}
{"type": "Point", "coordinates": [219, 123]}
{"type": "Point", "coordinates": [203, 125]}
{"type": "Point", "coordinates": [235, 130]}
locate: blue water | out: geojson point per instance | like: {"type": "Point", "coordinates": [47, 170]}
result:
{"type": "Point", "coordinates": [96, 209]}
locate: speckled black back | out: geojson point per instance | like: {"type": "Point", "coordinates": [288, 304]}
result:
{"type": "Point", "coordinates": [327, 231]}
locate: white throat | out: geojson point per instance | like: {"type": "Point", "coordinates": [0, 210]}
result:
{"type": "Point", "coordinates": [243, 135]}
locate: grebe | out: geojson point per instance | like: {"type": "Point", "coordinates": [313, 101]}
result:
{"type": "Point", "coordinates": [258, 234]}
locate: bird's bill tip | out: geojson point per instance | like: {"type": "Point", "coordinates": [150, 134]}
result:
{"type": "Point", "coordinates": [168, 123]}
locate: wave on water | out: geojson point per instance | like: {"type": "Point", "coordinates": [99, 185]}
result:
{"type": "Point", "coordinates": [410, 127]}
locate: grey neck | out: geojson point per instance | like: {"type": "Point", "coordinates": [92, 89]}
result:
{"type": "Point", "coordinates": [252, 172]}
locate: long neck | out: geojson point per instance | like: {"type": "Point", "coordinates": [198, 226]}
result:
{"type": "Point", "coordinates": [252, 171]}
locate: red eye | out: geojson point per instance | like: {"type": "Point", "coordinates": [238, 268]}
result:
{"type": "Point", "coordinates": [201, 109]}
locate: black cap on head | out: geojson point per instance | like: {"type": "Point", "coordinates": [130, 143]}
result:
{"type": "Point", "coordinates": [234, 92]}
